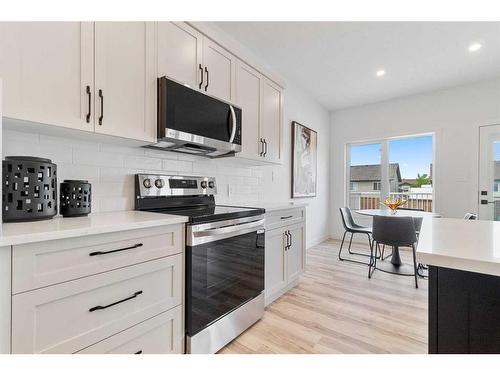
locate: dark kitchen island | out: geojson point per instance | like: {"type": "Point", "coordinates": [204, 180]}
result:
{"type": "Point", "coordinates": [464, 284]}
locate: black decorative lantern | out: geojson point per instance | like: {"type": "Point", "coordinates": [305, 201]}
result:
{"type": "Point", "coordinates": [75, 198]}
{"type": "Point", "coordinates": [29, 188]}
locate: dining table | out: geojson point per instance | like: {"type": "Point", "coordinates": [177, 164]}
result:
{"type": "Point", "coordinates": [396, 265]}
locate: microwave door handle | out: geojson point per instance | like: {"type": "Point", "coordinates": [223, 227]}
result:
{"type": "Point", "coordinates": [233, 129]}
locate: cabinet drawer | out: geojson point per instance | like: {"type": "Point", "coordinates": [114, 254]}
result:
{"type": "Point", "coordinates": [42, 264]}
{"type": "Point", "coordinates": [277, 219]}
{"type": "Point", "coordinates": [68, 317]}
{"type": "Point", "coordinates": [162, 334]}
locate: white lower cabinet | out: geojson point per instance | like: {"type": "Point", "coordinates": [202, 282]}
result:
{"type": "Point", "coordinates": [159, 335]}
{"type": "Point", "coordinates": [285, 252]}
{"type": "Point", "coordinates": [111, 306]}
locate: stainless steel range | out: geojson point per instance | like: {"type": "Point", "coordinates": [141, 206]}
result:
{"type": "Point", "coordinates": [224, 257]}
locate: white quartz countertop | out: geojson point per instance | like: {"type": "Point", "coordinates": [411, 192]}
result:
{"type": "Point", "coordinates": [270, 206]}
{"type": "Point", "coordinates": [96, 223]}
{"type": "Point", "coordinates": [467, 245]}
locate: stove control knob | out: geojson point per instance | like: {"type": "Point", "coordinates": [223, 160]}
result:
{"type": "Point", "coordinates": [159, 183]}
{"type": "Point", "coordinates": [147, 183]}
{"type": "Point", "coordinates": [203, 184]}
{"type": "Point", "coordinates": [211, 184]}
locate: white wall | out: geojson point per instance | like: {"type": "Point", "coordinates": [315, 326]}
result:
{"type": "Point", "coordinates": [111, 168]}
{"type": "Point", "coordinates": [454, 115]}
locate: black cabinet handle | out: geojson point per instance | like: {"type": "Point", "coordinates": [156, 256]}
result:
{"type": "Point", "coordinates": [138, 352]}
{"type": "Point", "coordinates": [99, 307]}
{"type": "Point", "coordinates": [115, 251]}
{"type": "Point", "coordinates": [290, 235]}
{"type": "Point", "coordinates": [89, 94]}
{"type": "Point", "coordinates": [201, 78]}
{"type": "Point", "coordinates": [265, 147]}
{"type": "Point", "coordinates": [102, 107]}
{"type": "Point", "coordinates": [206, 86]}
{"type": "Point", "coordinates": [261, 147]}
{"type": "Point", "coordinates": [288, 242]}
{"type": "Point", "coordinates": [286, 217]}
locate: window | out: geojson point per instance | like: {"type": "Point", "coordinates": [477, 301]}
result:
{"type": "Point", "coordinates": [396, 168]}
{"type": "Point", "coordinates": [363, 170]}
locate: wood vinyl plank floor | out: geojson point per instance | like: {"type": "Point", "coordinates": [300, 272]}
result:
{"type": "Point", "coordinates": [337, 309]}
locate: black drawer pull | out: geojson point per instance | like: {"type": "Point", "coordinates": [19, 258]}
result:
{"type": "Point", "coordinates": [138, 352]}
{"type": "Point", "coordinates": [115, 303]}
{"type": "Point", "coordinates": [286, 217]}
{"type": "Point", "coordinates": [102, 107]}
{"type": "Point", "coordinates": [115, 251]}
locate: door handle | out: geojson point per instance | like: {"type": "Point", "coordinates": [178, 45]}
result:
{"type": "Point", "coordinates": [265, 148]}
{"type": "Point", "coordinates": [201, 78]}
{"type": "Point", "coordinates": [89, 94]}
{"type": "Point", "coordinates": [261, 147]}
{"type": "Point", "coordinates": [206, 86]}
{"type": "Point", "coordinates": [233, 129]}
{"type": "Point", "coordinates": [485, 201]}
{"type": "Point", "coordinates": [285, 233]}
{"type": "Point", "coordinates": [99, 307]}
{"type": "Point", "coordinates": [101, 96]}
{"type": "Point", "coordinates": [291, 238]}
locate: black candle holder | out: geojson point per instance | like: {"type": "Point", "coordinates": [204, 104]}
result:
{"type": "Point", "coordinates": [75, 198]}
{"type": "Point", "coordinates": [29, 189]}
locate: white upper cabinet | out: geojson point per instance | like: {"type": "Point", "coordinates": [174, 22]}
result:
{"type": "Point", "coordinates": [272, 107]}
{"type": "Point", "coordinates": [219, 67]}
{"type": "Point", "coordinates": [125, 79]}
{"type": "Point", "coordinates": [46, 69]}
{"type": "Point", "coordinates": [248, 87]}
{"type": "Point", "coordinates": [179, 53]}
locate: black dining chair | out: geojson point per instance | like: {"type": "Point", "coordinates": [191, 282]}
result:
{"type": "Point", "coordinates": [393, 231]}
{"type": "Point", "coordinates": [351, 227]}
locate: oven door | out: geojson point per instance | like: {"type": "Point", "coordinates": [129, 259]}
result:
{"type": "Point", "coordinates": [224, 269]}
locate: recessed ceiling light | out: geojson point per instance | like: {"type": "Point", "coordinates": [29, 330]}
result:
{"type": "Point", "coordinates": [475, 47]}
{"type": "Point", "coordinates": [380, 73]}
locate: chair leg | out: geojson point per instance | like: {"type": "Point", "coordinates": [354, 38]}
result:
{"type": "Point", "coordinates": [415, 265]}
{"type": "Point", "coordinates": [371, 260]}
{"type": "Point", "coordinates": [350, 243]}
{"type": "Point", "coordinates": [341, 246]}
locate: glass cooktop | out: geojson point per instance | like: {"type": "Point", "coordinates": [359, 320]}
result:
{"type": "Point", "coordinates": [203, 214]}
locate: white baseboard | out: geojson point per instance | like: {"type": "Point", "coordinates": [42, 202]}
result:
{"type": "Point", "coordinates": [317, 241]}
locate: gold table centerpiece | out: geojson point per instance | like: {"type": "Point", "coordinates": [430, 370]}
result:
{"type": "Point", "coordinates": [393, 204]}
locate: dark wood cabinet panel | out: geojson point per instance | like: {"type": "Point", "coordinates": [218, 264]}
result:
{"type": "Point", "coordinates": [464, 312]}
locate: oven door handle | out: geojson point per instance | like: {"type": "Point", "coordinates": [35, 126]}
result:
{"type": "Point", "coordinates": [211, 235]}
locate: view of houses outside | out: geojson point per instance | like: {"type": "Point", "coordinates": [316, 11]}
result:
{"type": "Point", "coordinates": [409, 173]}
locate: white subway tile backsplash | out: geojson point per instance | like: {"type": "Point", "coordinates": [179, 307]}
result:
{"type": "Point", "coordinates": [91, 157]}
{"type": "Point", "coordinates": [142, 162]}
{"type": "Point", "coordinates": [111, 168]}
{"type": "Point", "coordinates": [177, 165]}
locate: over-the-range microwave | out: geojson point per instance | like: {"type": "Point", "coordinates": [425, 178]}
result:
{"type": "Point", "coordinates": [193, 122]}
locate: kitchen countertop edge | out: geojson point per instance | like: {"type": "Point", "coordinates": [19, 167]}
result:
{"type": "Point", "coordinates": [94, 224]}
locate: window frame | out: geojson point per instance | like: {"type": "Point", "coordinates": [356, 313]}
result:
{"type": "Point", "coordinates": [384, 163]}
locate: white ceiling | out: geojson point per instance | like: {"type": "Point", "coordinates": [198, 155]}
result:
{"type": "Point", "coordinates": [336, 62]}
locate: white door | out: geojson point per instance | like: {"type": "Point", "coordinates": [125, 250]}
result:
{"type": "Point", "coordinates": [271, 121]}
{"type": "Point", "coordinates": [295, 252]}
{"type": "Point", "coordinates": [248, 87]}
{"type": "Point", "coordinates": [489, 173]}
{"type": "Point", "coordinates": [47, 70]}
{"type": "Point", "coordinates": [125, 79]}
{"type": "Point", "coordinates": [218, 65]}
{"type": "Point", "coordinates": [179, 53]}
{"type": "Point", "coordinates": [275, 262]}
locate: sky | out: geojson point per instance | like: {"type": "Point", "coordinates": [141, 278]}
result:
{"type": "Point", "coordinates": [414, 155]}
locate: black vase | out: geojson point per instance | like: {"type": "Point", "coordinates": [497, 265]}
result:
{"type": "Point", "coordinates": [29, 189]}
{"type": "Point", "coordinates": [75, 198]}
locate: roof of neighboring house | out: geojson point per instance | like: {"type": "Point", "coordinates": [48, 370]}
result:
{"type": "Point", "coordinates": [407, 181]}
{"type": "Point", "coordinates": [372, 172]}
